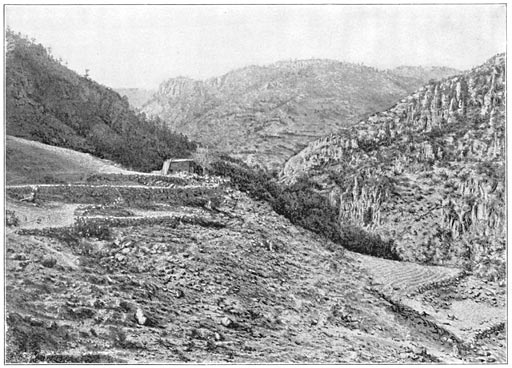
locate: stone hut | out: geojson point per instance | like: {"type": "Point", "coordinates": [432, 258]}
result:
{"type": "Point", "coordinates": [174, 165]}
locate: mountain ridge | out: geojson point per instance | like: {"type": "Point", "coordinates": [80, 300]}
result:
{"type": "Point", "coordinates": [438, 154]}
{"type": "Point", "coordinates": [263, 114]}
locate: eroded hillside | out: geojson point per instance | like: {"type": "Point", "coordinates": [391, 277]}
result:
{"type": "Point", "coordinates": [143, 269]}
{"type": "Point", "coordinates": [264, 114]}
{"type": "Point", "coordinates": [428, 173]}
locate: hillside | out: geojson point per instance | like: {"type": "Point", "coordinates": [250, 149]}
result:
{"type": "Point", "coordinates": [30, 162]}
{"type": "Point", "coordinates": [131, 268]}
{"type": "Point", "coordinates": [381, 244]}
{"type": "Point", "coordinates": [49, 103]}
{"type": "Point", "coordinates": [264, 114]}
{"type": "Point", "coordinates": [427, 174]}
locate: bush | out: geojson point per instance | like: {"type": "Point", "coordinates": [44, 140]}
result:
{"type": "Point", "coordinates": [91, 229]}
{"type": "Point", "coordinates": [51, 179]}
{"type": "Point", "coordinates": [49, 261]}
{"type": "Point", "coordinates": [360, 241]}
{"type": "Point", "coordinates": [303, 206]}
{"type": "Point", "coordinates": [11, 219]}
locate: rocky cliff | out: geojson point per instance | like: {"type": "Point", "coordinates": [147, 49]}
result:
{"type": "Point", "coordinates": [428, 173]}
{"type": "Point", "coordinates": [263, 114]}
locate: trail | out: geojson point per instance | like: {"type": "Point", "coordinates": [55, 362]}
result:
{"type": "Point", "coordinates": [39, 217]}
{"type": "Point", "coordinates": [127, 186]}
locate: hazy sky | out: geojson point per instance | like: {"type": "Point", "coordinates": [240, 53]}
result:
{"type": "Point", "coordinates": [140, 46]}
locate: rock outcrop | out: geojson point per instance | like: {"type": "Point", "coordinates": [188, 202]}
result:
{"type": "Point", "coordinates": [263, 114]}
{"type": "Point", "coordinates": [428, 173]}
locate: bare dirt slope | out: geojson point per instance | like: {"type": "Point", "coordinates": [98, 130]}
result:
{"type": "Point", "coordinates": [217, 277]}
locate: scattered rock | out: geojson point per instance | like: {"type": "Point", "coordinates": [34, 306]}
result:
{"type": "Point", "coordinates": [49, 261]}
{"type": "Point", "coordinates": [178, 293]}
{"type": "Point", "coordinates": [419, 350]}
{"type": "Point", "coordinates": [20, 257]}
{"type": "Point", "coordinates": [140, 317]}
{"type": "Point", "coordinates": [226, 322]}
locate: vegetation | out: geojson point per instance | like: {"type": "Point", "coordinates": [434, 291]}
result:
{"type": "Point", "coordinates": [238, 111]}
{"type": "Point", "coordinates": [47, 102]}
{"type": "Point", "coordinates": [11, 219]}
{"type": "Point", "coordinates": [303, 205]}
{"type": "Point", "coordinates": [438, 157]}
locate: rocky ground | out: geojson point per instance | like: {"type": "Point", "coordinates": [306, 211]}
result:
{"type": "Point", "coordinates": [180, 275]}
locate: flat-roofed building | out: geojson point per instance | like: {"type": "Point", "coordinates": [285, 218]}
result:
{"type": "Point", "coordinates": [174, 165]}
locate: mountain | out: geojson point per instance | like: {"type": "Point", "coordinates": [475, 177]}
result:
{"type": "Point", "coordinates": [264, 114]}
{"type": "Point", "coordinates": [424, 74]}
{"type": "Point", "coordinates": [137, 97]}
{"type": "Point", "coordinates": [47, 102]}
{"type": "Point", "coordinates": [105, 265]}
{"type": "Point", "coordinates": [427, 174]}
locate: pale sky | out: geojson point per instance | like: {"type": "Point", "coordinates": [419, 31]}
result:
{"type": "Point", "coordinates": [140, 46]}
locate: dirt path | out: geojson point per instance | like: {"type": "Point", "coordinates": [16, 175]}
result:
{"type": "Point", "coordinates": [79, 159]}
{"type": "Point", "coordinates": [129, 186]}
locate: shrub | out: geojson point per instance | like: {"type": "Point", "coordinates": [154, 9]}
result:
{"type": "Point", "coordinates": [91, 229]}
{"type": "Point", "coordinates": [11, 219]}
{"type": "Point", "coordinates": [303, 206]}
{"type": "Point", "coordinates": [49, 262]}
{"type": "Point", "coordinates": [51, 179]}
{"type": "Point", "coordinates": [360, 241]}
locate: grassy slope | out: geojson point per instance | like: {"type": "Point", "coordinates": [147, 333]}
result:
{"type": "Point", "coordinates": [29, 162]}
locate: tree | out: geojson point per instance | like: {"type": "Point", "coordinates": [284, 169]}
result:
{"type": "Point", "coordinates": [204, 156]}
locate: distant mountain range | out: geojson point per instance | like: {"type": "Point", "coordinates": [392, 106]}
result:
{"type": "Point", "coordinates": [428, 173]}
{"type": "Point", "coordinates": [137, 97]}
{"type": "Point", "coordinates": [424, 74]}
{"type": "Point", "coordinates": [264, 114]}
